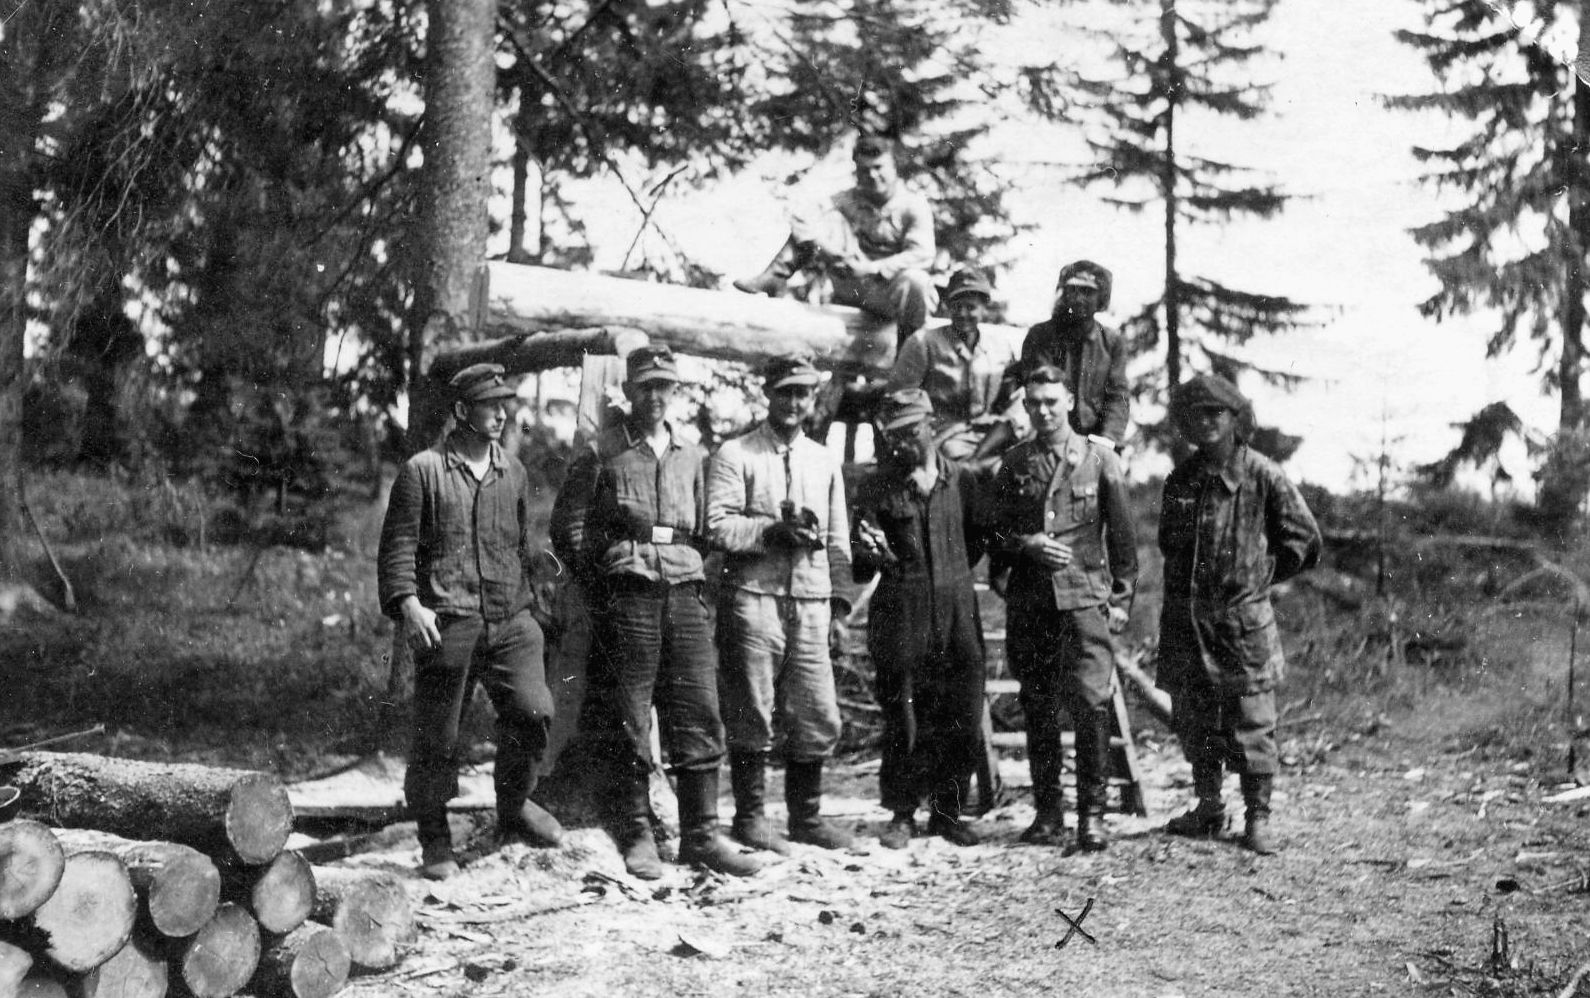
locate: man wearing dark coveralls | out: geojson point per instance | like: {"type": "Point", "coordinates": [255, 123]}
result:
{"type": "Point", "coordinates": [630, 521]}
{"type": "Point", "coordinates": [1232, 526]}
{"type": "Point", "coordinates": [917, 522]}
{"type": "Point", "coordinates": [453, 571]}
{"type": "Point", "coordinates": [1061, 519]}
{"type": "Point", "coordinates": [776, 505]}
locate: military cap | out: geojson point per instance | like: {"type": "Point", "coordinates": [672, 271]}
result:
{"type": "Point", "coordinates": [651, 364]}
{"type": "Point", "coordinates": [873, 146]}
{"type": "Point", "coordinates": [481, 383]}
{"type": "Point", "coordinates": [968, 281]}
{"type": "Point", "coordinates": [791, 369]}
{"type": "Point", "coordinates": [904, 407]}
{"type": "Point", "coordinates": [1089, 275]}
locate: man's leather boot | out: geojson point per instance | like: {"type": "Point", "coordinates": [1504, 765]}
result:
{"type": "Point", "coordinates": [803, 792]}
{"type": "Point", "coordinates": [520, 746]}
{"type": "Point", "coordinates": [699, 841]}
{"type": "Point", "coordinates": [1208, 818]}
{"type": "Point", "coordinates": [529, 822]}
{"type": "Point", "coordinates": [436, 847]}
{"type": "Point", "coordinates": [790, 258]}
{"type": "Point", "coordinates": [636, 839]}
{"type": "Point", "coordinates": [1092, 749]}
{"type": "Point", "coordinates": [1256, 827]}
{"type": "Point", "coordinates": [1049, 823]}
{"type": "Point", "coordinates": [748, 778]}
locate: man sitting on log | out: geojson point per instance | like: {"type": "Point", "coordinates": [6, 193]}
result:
{"type": "Point", "coordinates": [876, 244]}
{"type": "Point", "coordinates": [776, 505]}
{"type": "Point", "coordinates": [629, 520]}
{"type": "Point", "coordinates": [453, 571]}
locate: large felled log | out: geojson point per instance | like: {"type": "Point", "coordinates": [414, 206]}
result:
{"type": "Point", "coordinates": [138, 970]}
{"type": "Point", "coordinates": [217, 811]}
{"type": "Point", "coordinates": [178, 887]}
{"type": "Point", "coordinates": [15, 962]}
{"type": "Point", "coordinates": [31, 863]}
{"type": "Point", "coordinates": [309, 962]}
{"type": "Point", "coordinates": [370, 911]}
{"type": "Point", "coordinates": [90, 915]}
{"type": "Point", "coordinates": [526, 352]}
{"type": "Point", "coordinates": [280, 893]}
{"type": "Point", "coordinates": [221, 957]}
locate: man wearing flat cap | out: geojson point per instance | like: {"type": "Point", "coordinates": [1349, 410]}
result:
{"type": "Point", "coordinates": [630, 523]}
{"type": "Point", "coordinates": [958, 367]}
{"type": "Point", "coordinates": [453, 571]}
{"type": "Point", "coordinates": [1231, 527]}
{"type": "Point", "coordinates": [917, 523]}
{"type": "Point", "coordinates": [876, 242]}
{"type": "Point", "coordinates": [776, 505]}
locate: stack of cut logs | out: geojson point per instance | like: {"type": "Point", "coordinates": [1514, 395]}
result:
{"type": "Point", "coordinates": [90, 907]}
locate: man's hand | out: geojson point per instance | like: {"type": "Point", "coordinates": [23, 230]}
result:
{"type": "Point", "coordinates": [1047, 551]}
{"type": "Point", "coordinates": [419, 625]}
{"type": "Point", "coordinates": [1118, 618]}
{"type": "Point", "coordinates": [783, 535]}
{"type": "Point", "coordinates": [873, 540]}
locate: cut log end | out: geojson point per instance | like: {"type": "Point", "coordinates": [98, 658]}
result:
{"type": "Point", "coordinates": [31, 864]}
{"type": "Point", "coordinates": [90, 915]}
{"type": "Point", "coordinates": [259, 818]}
{"type": "Point", "coordinates": [224, 954]}
{"type": "Point", "coordinates": [284, 893]}
{"type": "Point", "coordinates": [138, 970]}
{"type": "Point", "coordinates": [310, 962]}
{"type": "Point", "coordinates": [184, 896]}
{"type": "Point", "coordinates": [370, 911]}
{"type": "Point", "coordinates": [15, 962]}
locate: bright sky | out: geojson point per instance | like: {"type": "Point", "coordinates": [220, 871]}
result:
{"type": "Point", "coordinates": [1376, 366]}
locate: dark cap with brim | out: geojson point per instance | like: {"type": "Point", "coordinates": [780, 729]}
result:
{"type": "Point", "coordinates": [1208, 391]}
{"type": "Point", "coordinates": [968, 281]}
{"type": "Point", "coordinates": [650, 364]}
{"type": "Point", "coordinates": [903, 408]}
{"type": "Point", "coordinates": [481, 383]}
{"type": "Point", "coordinates": [794, 369]}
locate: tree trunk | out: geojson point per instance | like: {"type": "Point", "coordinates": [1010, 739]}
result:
{"type": "Point", "coordinates": [90, 915]}
{"type": "Point", "coordinates": [280, 893]}
{"type": "Point", "coordinates": [369, 910]}
{"type": "Point", "coordinates": [138, 970]}
{"type": "Point", "coordinates": [222, 957]}
{"type": "Point", "coordinates": [228, 813]}
{"type": "Point", "coordinates": [31, 864]}
{"type": "Point", "coordinates": [311, 962]}
{"type": "Point", "coordinates": [178, 887]}
{"type": "Point", "coordinates": [1167, 182]}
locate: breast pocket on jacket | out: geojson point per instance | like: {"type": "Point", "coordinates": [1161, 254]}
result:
{"type": "Point", "coordinates": [1085, 502]}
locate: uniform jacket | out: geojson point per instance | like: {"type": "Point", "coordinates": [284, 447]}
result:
{"type": "Point", "coordinates": [1228, 533]}
{"type": "Point", "coordinates": [616, 493]}
{"type": "Point", "coordinates": [1077, 494]}
{"type": "Point", "coordinates": [936, 539]}
{"type": "Point", "coordinates": [962, 381]}
{"type": "Point", "coordinates": [1096, 375]}
{"type": "Point", "coordinates": [896, 235]}
{"type": "Point", "coordinates": [461, 546]}
{"type": "Point", "coordinates": [750, 478]}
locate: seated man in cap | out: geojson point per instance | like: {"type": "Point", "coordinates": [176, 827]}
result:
{"type": "Point", "coordinates": [1232, 526]}
{"type": "Point", "coordinates": [877, 244]}
{"type": "Point", "coordinates": [629, 523]}
{"type": "Point", "coordinates": [917, 523]}
{"type": "Point", "coordinates": [959, 368]}
{"type": "Point", "coordinates": [776, 505]}
{"type": "Point", "coordinates": [453, 571]}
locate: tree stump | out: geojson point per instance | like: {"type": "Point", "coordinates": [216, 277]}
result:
{"type": "Point", "coordinates": [15, 962]}
{"type": "Point", "coordinates": [90, 915]}
{"type": "Point", "coordinates": [223, 812]}
{"type": "Point", "coordinates": [222, 957]}
{"type": "Point", "coordinates": [280, 894]}
{"type": "Point", "coordinates": [370, 910]}
{"type": "Point", "coordinates": [138, 970]}
{"type": "Point", "coordinates": [310, 962]}
{"type": "Point", "coordinates": [178, 887]}
{"type": "Point", "coordinates": [31, 863]}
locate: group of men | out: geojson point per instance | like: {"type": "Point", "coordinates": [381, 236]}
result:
{"type": "Point", "coordinates": [643, 507]}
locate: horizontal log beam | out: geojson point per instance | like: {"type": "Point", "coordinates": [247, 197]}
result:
{"type": "Point", "coordinates": [527, 353]}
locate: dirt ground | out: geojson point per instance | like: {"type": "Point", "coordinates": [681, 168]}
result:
{"type": "Point", "coordinates": [1442, 875]}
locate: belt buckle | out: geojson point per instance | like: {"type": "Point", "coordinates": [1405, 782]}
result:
{"type": "Point", "coordinates": [662, 535]}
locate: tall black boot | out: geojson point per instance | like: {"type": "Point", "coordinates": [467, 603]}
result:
{"type": "Point", "coordinates": [1256, 789]}
{"type": "Point", "coordinates": [748, 777]}
{"type": "Point", "coordinates": [792, 256]}
{"type": "Point", "coordinates": [803, 792]}
{"type": "Point", "coordinates": [1044, 760]}
{"type": "Point", "coordinates": [1092, 749]}
{"type": "Point", "coordinates": [519, 751]}
{"type": "Point", "coordinates": [637, 841]}
{"type": "Point", "coordinates": [1208, 817]}
{"type": "Point", "coordinates": [699, 841]}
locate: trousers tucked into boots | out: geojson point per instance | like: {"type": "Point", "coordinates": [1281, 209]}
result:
{"type": "Point", "coordinates": [803, 793]}
{"type": "Point", "coordinates": [748, 777]}
{"type": "Point", "coordinates": [636, 839]}
{"type": "Point", "coordinates": [1256, 789]}
{"type": "Point", "coordinates": [699, 841]}
{"type": "Point", "coordinates": [1208, 817]}
{"type": "Point", "coordinates": [1092, 751]}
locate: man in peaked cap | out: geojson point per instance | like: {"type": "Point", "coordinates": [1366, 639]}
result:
{"type": "Point", "coordinates": [917, 524]}
{"type": "Point", "coordinates": [776, 505]}
{"type": "Point", "coordinates": [453, 571]}
{"type": "Point", "coordinates": [876, 242]}
{"type": "Point", "coordinates": [629, 521]}
{"type": "Point", "coordinates": [1231, 527]}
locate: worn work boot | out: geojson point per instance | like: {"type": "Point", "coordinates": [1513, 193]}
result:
{"type": "Point", "coordinates": [803, 793]}
{"type": "Point", "coordinates": [748, 778]}
{"type": "Point", "coordinates": [1256, 826]}
{"type": "Point", "coordinates": [436, 848]}
{"type": "Point", "coordinates": [790, 258]}
{"type": "Point", "coordinates": [1208, 818]}
{"type": "Point", "coordinates": [900, 830]}
{"type": "Point", "coordinates": [636, 840]}
{"type": "Point", "coordinates": [953, 829]}
{"type": "Point", "coordinates": [1049, 824]}
{"type": "Point", "coordinates": [531, 823]}
{"type": "Point", "coordinates": [699, 841]}
{"type": "Point", "coordinates": [1092, 749]}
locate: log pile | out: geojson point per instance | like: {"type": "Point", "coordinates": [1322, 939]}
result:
{"type": "Point", "coordinates": [217, 906]}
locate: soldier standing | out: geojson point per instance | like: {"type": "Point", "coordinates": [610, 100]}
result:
{"type": "Point", "coordinates": [1062, 521]}
{"type": "Point", "coordinates": [776, 505]}
{"type": "Point", "coordinates": [1232, 526]}
{"type": "Point", "coordinates": [917, 523]}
